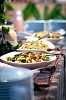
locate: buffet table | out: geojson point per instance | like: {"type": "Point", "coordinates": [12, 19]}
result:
{"type": "Point", "coordinates": [49, 84]}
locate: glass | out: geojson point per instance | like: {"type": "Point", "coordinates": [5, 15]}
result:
{"type": "Point", "coordinates": [16, 84]}
{"type": "Point", "coordinates": [18, 21]}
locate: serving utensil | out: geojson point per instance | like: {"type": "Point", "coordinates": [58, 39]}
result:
{"type": "Point", "coordinates": [43, 37]}
{"type": "Point", "coordinates": [61, 31]}
{"type": "Point", "coordinates": [36, 38]}
{"type": "Point", "coordinates": [56, 52]}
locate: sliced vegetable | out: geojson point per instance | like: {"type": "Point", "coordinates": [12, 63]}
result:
{"type": "Point", "coordinates": [31, 57]}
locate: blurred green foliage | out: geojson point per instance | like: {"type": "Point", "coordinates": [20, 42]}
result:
{"type": "Point", "coordinates": [54, 14]}
{"type": "Point", "coordinates": [4, 8]}
{"type": "Point", "coordinates": [31, 9]}
{"type": "Point", "coordinates": [8, 7]}
{"type": "Point", "coordinates": [5, 46]}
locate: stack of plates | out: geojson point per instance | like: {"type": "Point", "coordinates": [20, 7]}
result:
{"type": "Point", "coordinates": [16, 84]}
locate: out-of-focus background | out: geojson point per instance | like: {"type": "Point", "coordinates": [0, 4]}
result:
{"type": "Point", "coordinates": [37, 11]}
{"type": "Point", "coordinates": [40, 9]}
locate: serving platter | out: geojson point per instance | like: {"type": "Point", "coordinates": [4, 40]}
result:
{"type": "Point", "coordinates": [34, 65]}
{"type": "Point", "coordinates": [39, 45]}
{"type": "Point", "coordinates": [53, 37]}
{"type": "Point", "coordinates": [55, 40]}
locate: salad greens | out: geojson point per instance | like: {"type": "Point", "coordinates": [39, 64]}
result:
{"type": "Point", "coordinates": [29, 57]}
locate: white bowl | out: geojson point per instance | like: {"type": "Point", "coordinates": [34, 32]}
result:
{"type": "Point", "coordinates": [26, 65]}
{"type": "Point", "coordinates": [52, 40]}
{"type": "Point", "coordinates": [55, 40]}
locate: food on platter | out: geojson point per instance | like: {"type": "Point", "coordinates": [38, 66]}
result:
{"type": "Point", "coordinates": [54, 35]}
{"type": "Point", "coordinates": [34, 45]}
{"type": "Point", "coordinates": [28, 59]}
{"type": "Point", "coordinates": [55, 40]}
{"type": "Point", "coordinates": [40, 45]}
{"type": "Point", "coordinates": [47, 34]}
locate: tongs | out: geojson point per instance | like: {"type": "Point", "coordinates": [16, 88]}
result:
{"type": "Point", "coordinates": [43, 36]}
{"type": "Point", "coordinates": [56, 51]}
